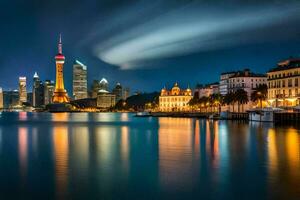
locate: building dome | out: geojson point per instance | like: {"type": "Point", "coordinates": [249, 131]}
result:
{"type": "Point", "coordinates": [175, 90]}
{"type": "Point", "coordinates": [103, 91]}
{"type": "Point", "coordinates": [59, 57]}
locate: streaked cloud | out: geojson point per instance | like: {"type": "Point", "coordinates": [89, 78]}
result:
{"type": "Point", "coordinates": [147, 32]}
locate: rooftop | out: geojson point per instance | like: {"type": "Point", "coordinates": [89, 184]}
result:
{"type": "Point", "coordinates": [290, 63]}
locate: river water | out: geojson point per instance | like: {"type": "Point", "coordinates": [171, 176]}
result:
{"type": "Point", "coordinates": [119, 156]}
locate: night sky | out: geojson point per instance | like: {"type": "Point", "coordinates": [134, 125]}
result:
{"type": "Point", "coordinates": [146, 44]}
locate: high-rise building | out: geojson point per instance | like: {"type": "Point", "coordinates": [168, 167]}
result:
{"type": "Point", "coordinates": [29, 98]}
{"type": "Point", "coordinates": [11, 99]}
{"type": "Point", "coordinates": [95, 88]}
{"type": "Point", "coordinates": [60, 94]}
{"type": "Point", "coordinates": [37, 91]}
{"type": "Point", "coordinates": [1, 98]}
{"type": "Point", "coordinates": [118, 92]}
{"type": "Point", "coordinates": [79, 80]}
{"type": "Point", "coordinates": [22, 90]}
{"type": "Point", "coordinates": [103, 84]}
{"type": "Point", "coordinates": [48, 91]}
{"type": "Point", "coordinates": [126, 93]}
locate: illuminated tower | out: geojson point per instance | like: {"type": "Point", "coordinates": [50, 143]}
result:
{"type": "Point", "coordinates": [60, 94]}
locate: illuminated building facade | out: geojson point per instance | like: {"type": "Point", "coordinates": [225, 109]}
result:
{"type": "Point", "coordinates": [174, 99]}
{"type": "Point", "coordinates": [60, 94]}
{"type": "Point", "coordinates": [206, 90]}
{"type": "Point", "coordinates": [48, 91]}
{"type": "Point", "coordinates": [79, 80]}
{"type": "Point", "coordinates": [105, 99]}
{"type": "Point", "coordinates": [283, 83]}
{"type": "Point", "coordinates": [224, 82]}
{"type": "Point", "coordinates": [95, 88]}
{"type": "Point", "coordinates": [1, 98]}
{"type": "Point", "coordinates": [118, 92]}
{"type": "Point", "coordinates": [37, 91]}
{"type": "Point", "coordinates": [103, 84]}
{"type": "Point", "coordinates": [22, 90]}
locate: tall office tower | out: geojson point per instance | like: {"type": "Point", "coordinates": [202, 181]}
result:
{"type": "Point", "coordinates": [79, 80]}
{"type": "Point", "coordinates": [118, 92]}
{"type": "Point", "coordinates": [95, 88]}
{"type": "Point", "coordinates": [11, 99]}
{"type": "Point", "coordinates": [103, 84]}
{"type": "Point", "coordinates": [126, 93]}
{"type": "Point", "coordinates": [1, 98]}
{"type": "Point", "coordinates": [37, 91]}
{"type": "Point", "coordinates": [60, 94]}
{"type": "Point", "coordinates": [22, 90]}
{"type": "Point", "coordinates": [48, 91]}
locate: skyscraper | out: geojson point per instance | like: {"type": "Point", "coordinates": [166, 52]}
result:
{"type": "Point", "coordinates": [95, 88]}
{"type": "Point", "coordinates": [126, 93]}
{"type": "Point", "coordinates": [37, 91]}
{"type": "Point", "coordinates": [1, 98]}
{"type": "Point", "coordinates": [60, 94]}
{"type": "Point", "coordinates": [79, 80]}
{"type": "Point", "coordinates": [103, 84]}
{"type": "Point", "coordinates": [118, 92]}
{"type": "Point", "coordinates": [48, 91]}
{"type": "Point", "coordinates": [22, 90]}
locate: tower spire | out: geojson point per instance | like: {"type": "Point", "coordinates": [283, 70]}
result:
{"type": "Point", "coordinates": [60, 45]}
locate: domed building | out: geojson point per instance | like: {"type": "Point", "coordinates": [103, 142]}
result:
{"type": "Point", "coordinates": [175, 99]}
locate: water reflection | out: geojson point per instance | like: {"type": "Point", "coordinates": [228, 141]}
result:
{"type": "Point", "coordinates": [23, 150]}
{"type": "Point", "coordinates": [61, 153]}
{"type": "Point", "coordinates": [188, 158]}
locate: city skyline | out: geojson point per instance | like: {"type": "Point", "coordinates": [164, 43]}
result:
{"type": "Point", "coordinates": [92, 36]}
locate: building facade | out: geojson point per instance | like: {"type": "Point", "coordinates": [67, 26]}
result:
{"type": "Point", "coordinates": [103, 84]}
{"type": "Point", "coordinates": [283, 84]}
{"type": "Point", "coordinates": [48, 91]}
{"type": "Point", "coordinates": [11, 99]}
{"type": "Point", "coordinates": [224, 82]}
{"type": "Point", "coordinates": [126, 93]}
{"type": "Point", "coordinates": [175, 99]}
{"type": "Point", "coordinates": [79, 80]}
{"type": "Point", "coordinates": [1, 98]}
{"type": "Point", "coordinates": [22, 90]}
{"type": "Point", "coordinates": [105, 99]}
{"type": "Point", "coordinates": [95, 88]}
{"type": "Point", "coordinates": [206, 90]}
{"type": "Point", "coordinates": [247, 81]}
{"type": "Point", "coordinates": [118, 92]}
{"type": "Point", "coordinates": [37, 91]}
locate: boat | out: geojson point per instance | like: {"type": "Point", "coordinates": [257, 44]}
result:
{"type": "Point", "coordinates": [143, 114]}
{"type": "Point", "coordinates": [263, 114]}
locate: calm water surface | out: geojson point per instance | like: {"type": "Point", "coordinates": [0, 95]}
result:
{"type": "Point", "coordinates": [118, 156]}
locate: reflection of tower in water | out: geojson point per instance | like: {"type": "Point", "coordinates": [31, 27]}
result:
{"type": "Point", "coordinates": [61, 153]}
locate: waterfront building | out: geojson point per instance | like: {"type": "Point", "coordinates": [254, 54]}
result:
{"type": "Point", "coordinates": [1, 98]}
{"type": "Point", "coordinates": [118, 92]}
{"type": "Point", "coordinates": [283, 83]}
{"type": "Point", "coordinates": [126, 93]}
{"type": "Point", "coordinates": [48, 91]}
{"type": "Point", "coordinates": [22, 90]}
{"type": "Point", "coordinates": [103, 84]}
{"type": "Point", "coordinates": [37, 91]}
{"type": "Point", "coordinates": [175, 99]}
{"type": "Point", "coordinates": [11, 99]}
{"type": "Point", "coordinates": [60, 94]}
{"type": "Point", "coordinates": [246, 80]}
{"type": "Point", "coordinates": [95, 88]}
{"type": "Point", "coordinates": [224, 82]}
{"type": "Point", "coordinates": [105, 99]}
{"type": "Point", "coordinates": [206, 90]}
{"type": "Point", "coordinates": [79, 80]}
